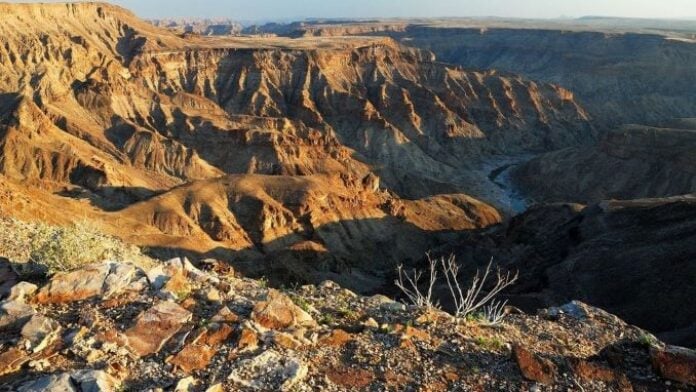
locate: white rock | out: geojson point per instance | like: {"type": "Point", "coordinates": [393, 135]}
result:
{"type": "Point", "coordinates": [54, 383]}
{"type": "Point", "coordinates": [187, 384]}
{"type": "Point", "coordinates": [14, 313]}
{"type": "Point", "coordinates": [95, 381]}
{"type": "Point", "coordinates": [39, 332]}
{"type": "Point", "coordinates": [269, 371]}
{"type": "Point", "coordinates": [21, 291]}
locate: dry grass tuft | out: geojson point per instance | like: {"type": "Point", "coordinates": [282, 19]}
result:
{"type": "Point", "coordinates": [38, 248]}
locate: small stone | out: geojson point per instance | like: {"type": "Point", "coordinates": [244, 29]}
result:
{"type": "Point", "coordinates": [286, 340]}
{"type": "Point", "coordinates": [211, 294]}
{"type": "Point", "coordinates": [329, 285]}
{"type": "Point", "coordinates": [371, 323]}
{"type": "Point", "coordinates": [592, 371]}
{"type": "Point", "coordinates": [200, 352]}
{"type": "Point", "coordinates": [248, 340]}
{"type": "Point", "coordinates": [225, 315]}
{"type": "Point", "coordinates": [215, 388]}
{"type": "Point", "coordinates": [337, 338]}
{"type": "Point", "coordinates": [13, 314]}
{"type": "Point", "coordinates": [187, 384]}
{"type": "Point", "coordinates": [193, 357]}
{"type": "Point", "coordinates": [162, 273]}
{"type": "Point", "coordinates": [351, 378]}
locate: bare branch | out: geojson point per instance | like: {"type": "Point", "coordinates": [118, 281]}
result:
{"type": "Point", "coordinates": [410, 285]}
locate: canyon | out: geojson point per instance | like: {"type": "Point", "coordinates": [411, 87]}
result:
{"type": "Point", "coordinates": [336, 151]}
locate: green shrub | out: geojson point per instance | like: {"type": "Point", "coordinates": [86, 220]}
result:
{"type": "Point", "coordinates": [41, 248]}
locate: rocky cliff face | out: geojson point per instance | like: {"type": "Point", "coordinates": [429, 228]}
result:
{"type": "Point", "coordinates": [630, 162]}
{"type": "Point", "coordinates": [619, 77]}
{"type": "Point", "coordinates": [113, 111]}
{"type": "Point", "coordinates": [631, 257]}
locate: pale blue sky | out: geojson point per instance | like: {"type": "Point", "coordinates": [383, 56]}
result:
{"type": "Point", "coordinates": [288, 9]}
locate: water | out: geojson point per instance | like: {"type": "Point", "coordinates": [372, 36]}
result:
{"type": "Point", "coordinates": [504, 191]}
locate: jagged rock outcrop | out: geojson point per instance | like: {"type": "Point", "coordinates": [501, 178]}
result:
{"type": "Point", "coordinates": [161, 138]}
{"type": "Point", "coordinates": [628, 163]}
{"type": "Point", "coordinates": [303, 228]}
{"type": "Point", "coordinates": [319, 338]}
{"type": "Point", "coordinates": [203, 26]}
{"type": "Point", "coordinates": [620, 77]}
{"type": "Point", "coordinates": [128, 83]}
{"type": "Point", "coordinates": [633, 258]}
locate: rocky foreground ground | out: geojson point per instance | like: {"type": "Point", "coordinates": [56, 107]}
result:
{"type": "Point", "coordinates": [176, 327]}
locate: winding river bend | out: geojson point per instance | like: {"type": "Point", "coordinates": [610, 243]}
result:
{"type": "Point", "coordinates": [507, 195]}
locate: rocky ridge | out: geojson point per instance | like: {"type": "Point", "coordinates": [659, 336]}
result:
{"type": "Point", "coordinates": [120, 120]}
{"type": "Point", "coordinates": [632, 258]}
{"type": "Point", "coordinates": [631, 162]}
{"type": "Point", "coordinates": [176, 327]}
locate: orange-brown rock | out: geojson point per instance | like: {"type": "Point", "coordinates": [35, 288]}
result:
{"type": "Point", "coordinates": [593, 371]}
{"type": "Point", "coordinates": [248, 340]}
{"type": "Point", "coordinates": [215, 335]}
{"type": "Point", "coordinates": [349, 377]}
{"type": "Point", "coordinates": [279, 312]}
{"type": "Point", "coordinates": [198, 354]}
{"type": "Point", "coordinates": [193, 357]}
{"type": "Point", "coordinates": [155, 326]}
{"type": "Point", "coordinates": [225, 315]}
{"type": "Point", "coordinates": [12, 360]}
{"type": "Point", "coordinates": [212, 145]}
{"type": "Point", "coordinates": [675, 363]}
{"type": "Point", "coordinates": [102, 280]}
{"type": "Point", "coordinates": [336, 338]}
{"type": "Point", "coordinates": [534, 367]}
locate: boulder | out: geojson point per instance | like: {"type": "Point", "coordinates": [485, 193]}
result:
{"type": "Point", "coordinates": [675, 363]}
{"type": "Point", "coordinates": [155, 326]}
{"type": "Point", "coordinates": [102, 280]}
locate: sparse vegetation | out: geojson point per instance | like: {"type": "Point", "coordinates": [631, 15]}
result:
{"type": "Point", "coordinates": [490, 343]}
{"type": "Point", "coordinates": [647, 340]}
{"type": "Point", "coordinates": [466, 303]}
{"type": "Point", "coordinates": [409, 284]}
{"type": "Point", "coordinates": [494, 313]}
{"type": "Point", "coordinates": [38, 248]}
{"type": "Point", "coordinates": [301, 302]}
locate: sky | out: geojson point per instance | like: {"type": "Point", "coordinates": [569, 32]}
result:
{"type": "Point", "coordinates": [297, 9]}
